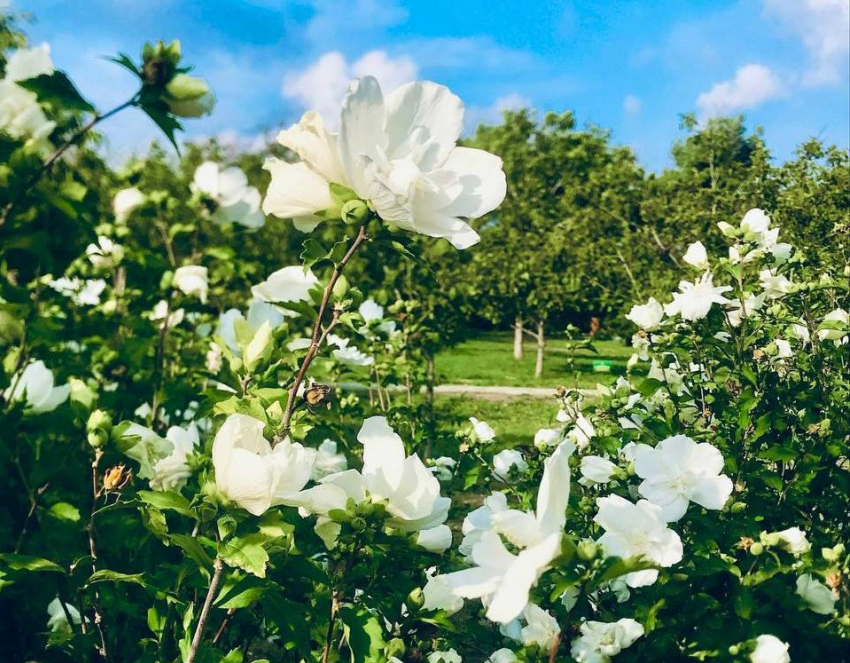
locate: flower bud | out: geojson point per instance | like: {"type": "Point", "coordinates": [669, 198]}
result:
{"type": "Point", "coordinates": [587, 550]}
{"type": "Point", "coordinates": [756, 549]}
{"type": "Point", "coordinates": [99, 420]}
{"type": "Point", "coordinates": [416, 598]}
{"type": "Point", "coordinates": [354, 212]}
{"type": "Point", "coordinates": [189, 96]}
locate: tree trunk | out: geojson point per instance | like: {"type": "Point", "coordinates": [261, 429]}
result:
{"type": "Point", "coordinates": [430, 378]}
{"type": "Point", "coordinates": [518, 339]}
{"type": "Point", "coordinates": [541, 344]}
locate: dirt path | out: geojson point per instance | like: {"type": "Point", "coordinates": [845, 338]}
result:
{"type": "Point", "coordinates": [491, 393]}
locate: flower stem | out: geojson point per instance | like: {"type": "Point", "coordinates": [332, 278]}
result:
{"type": "Point", "coordinates": [53, 158]}
{"type": "Point", "coordinates": [318, 333]}
{"type": "Point", "coordinates": [329, 638]}
{"type": "Point", "coordinates": [218, 567]}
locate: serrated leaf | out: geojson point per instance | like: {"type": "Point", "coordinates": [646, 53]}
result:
{"type": "Point", "coordinates": [364, 635]}
{"type": "Point", "coordinates": [167, 500]}
{"type": "Point", "coordinates": [164, 120]}
{"type": "Point", "coordinates": [193, 548]}
{"type": "Point", "coordinates": [246, 553]}
{"type": "Point", "coordinates": [32, 564]}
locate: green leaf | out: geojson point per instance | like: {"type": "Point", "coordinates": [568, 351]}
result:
{"type": "Point", "coordinates": [313, 252]}
{"type": "Point", "coordinates": [621, 567]}
{"type": "Point", "coordinates": [167, 500]}
{"type": "Point", "coordinates": [27, 563]}
{"type": "Point", "coordinates": [58, 90]}
{"type": "Point", "coordinates": [164, 120]}
{"type": "Point", "coordinates": [64, 511]}
{"type": "Point", "coordinates": [246, 591]}
{"type": "Point", "coordinates": [246, 553]}
{"type": "Point", "coordinates": [363, 633]}
{"type": "Point", "coordinates": [193, 548]}
{"type": "Point", "coordinates": [105, 575]}
{"type": "Point", "coordinates": [125, 61]}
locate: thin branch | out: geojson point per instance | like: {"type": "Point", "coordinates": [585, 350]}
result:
{"type": "Point", "coordinates": [53, 158]}
{"type": "Point", "coordinates": [329, 637]}
{"type": "Point", "coordinates": [319, 332]}
{"type": "Point", "coordinates": [218, 567]}
{"type": "Point", "coordinates": [98, 619]}
{"type": "Point", "coordinates": [224, 623]}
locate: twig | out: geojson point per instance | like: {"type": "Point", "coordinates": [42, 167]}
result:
{"type": "Point", "coordinates": [53, 158]}
{"type": "Point", "coordinates": [218, 566]}
{"type": "Point", "coordinates": [98, 619]}
{"type": "Point", "coordinates": [224, 623]}
{"type": "Point", "coordinates": [329, 638]}
{"type": "Point", "coordinates": [319, 332]}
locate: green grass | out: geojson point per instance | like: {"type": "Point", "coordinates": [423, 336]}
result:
{"type": "Point", "coordinates": [515, 420]}
{"type": "Point", "coordinates": [488, 360]}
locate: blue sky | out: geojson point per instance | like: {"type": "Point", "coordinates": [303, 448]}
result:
{"type": "Point", "coordinates": [631, 66]}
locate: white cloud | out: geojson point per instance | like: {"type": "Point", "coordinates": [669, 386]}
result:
{"type": "Point", "coordinates": [632, 105]}
{"type": "Point", "coordinates": [824, 28]}
{"type": "Point", "coordinates": [340, 21]}
{"type": "Point", "coordinates": [753, 85]}
{"type": "Point", "coordinates": [492, 114]}
{"type": "Point", "coordinates": [474, 53]}
{"type": "Point", "coordinates": [322, 85]}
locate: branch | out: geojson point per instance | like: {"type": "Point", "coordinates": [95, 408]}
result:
{"type": "Point", "coordinates": [98, 619]}
{"type": "Point", "coordinates": [53, 158]}
{"type": "Point", "coordinates": [319, 333]}
{"type": "Point", "coordinates": [329, 638]}
{"type": "Point", "coordinates": [218, 566]}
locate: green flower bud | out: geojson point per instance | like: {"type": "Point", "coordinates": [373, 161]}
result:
{"type": "Point", "coordinates": [341, 287]}
{"type": "Point", "coordinates": [738, 507]}
{"type": "Point", "coordinates": [415, 598]}
{"type": "Point", "coordinates": [587, 550]}
{"type": "Point", "coordinates": [354, 212]}
{"type": "Point", "coordinates": [189, 96]}
{"type": "Point", "coordinates": [99, 420]}
{"type": "Point", "coordinates": [756, 549]}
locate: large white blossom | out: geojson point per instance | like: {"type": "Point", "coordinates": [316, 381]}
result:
{"type": "Point", "coordinates": [410, 492]}
{"type": "Point", "coordinates": [744, 307]}
{"type": "Point", "coordinates": [82, 292]}
{"type": "Point", "coordinates": [250, 472]}
{"type": "Point", "coordinates": [192, 280]}
{"type": "Point", "coordinates": [694, 300]}
{"type": "Point", "coordinates": [696, 256]}
{"type": "Point", "coordinates": [637, 530]}
{"type": "Point", "coordinates": [35, 386]}
{"type": "Point", "coordinates": [235, 201]}
{"type": "Point", "coordinates": [818, 596]}
{"type": "Point", "coordinates": [647, 316]}
{"type": "Point", "coordinates": [482, 431]}
{"type": "Point", "coordinates": [328, 460]}
{"type": "Point", "coordinates": [596, 470]}
{"type": "Point", "coordinates": [501, 579]}
{"type": "Point", "coordinates": [396, 151]}
{"type": "Point", "coordinates": [125, 202]}
{"type": "Point", "coordinates": [540, 629]}
{"type": "Point", "coordinates": [290, 284]}
{"type": "Point", "coordinates": [507, 460]}
{"type": "Point", "coordinates": [793, 540]}
{"type": "Point", "coordinates": [450, 656]}
{"type": "Point", "coordinates": [775, 285]}
{"type": "Point", "coordinates": [770, 649]}
{"type": "Point", "coordinates": [503, 655]}
{"type": "Point", "coordinates": [835, 327]}
{"type": "Point", "coordinates": [480, 520]}
{"type": "Point", "coordinates": [599, 641]}
{"type": "Point", "coordinates": [438, 594]}
{"type": "Point", "coordinates": [678, 471]}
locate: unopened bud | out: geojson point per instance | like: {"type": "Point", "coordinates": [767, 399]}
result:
{"type": "Point", "coordinates": [587, 550]}
{"type": "Point", "coordinates": [354, 212]}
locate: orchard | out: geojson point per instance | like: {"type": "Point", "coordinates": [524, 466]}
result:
{"type": "Point", "coordinates": [219, 441]}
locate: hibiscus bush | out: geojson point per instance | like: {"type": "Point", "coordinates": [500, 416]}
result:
{"type": "Point", "coordinates": [215, 452]}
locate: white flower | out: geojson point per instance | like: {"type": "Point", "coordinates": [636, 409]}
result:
{"type": "Point", "coordinates": [450, 656]}
{"type": "Point", "coordinates": [541, 627]}
{"type": "Point", "coordinates": [503, 655]}
{"type": "Point", "coordinates": [192, 280]}
{"type": "Point", "coordinates": [371, 311]}
{"type": "Point", "coordinates": [774, 285]}
{"type": "Point", "coordinates": [436, 539]}
{"type": "Point", "coordinates": [398, 153]}
{"type": "Point", "coordinates": [411, 492]}
{"type": "Point", "coordinates": [547, 437]}
{"type": "Point", "coordinates": [172, 472]}
{"type": "Point", "coordinates": [35, 385]}
{"type": "Point", "coordinates": [755, 222]}
{"type": "Point", "coordinates": [800, 331]}
{"type": "Point", "coordinates": [259, 312]}
{"type": "Point", "coordinates": [783, 349]}
{"type": "Point", "coordinates": [601, 640]}
{"type": "Point", "coordinates": [770, 649]}
{"type": "Point", "coordinates": [637, 529]}
{"type": "Point", "coordinates": [678, 471]}
{"type": "Point", "coordinates": [125, 202]}
{"type": "Point", "coordinates": [290, 284]}
{"type": "Point", "coordinates": [582, 432]}
{"type": "Point", "coordinates": [480, 520]}
{"type": "Point", "coordinates": [834, 327]}
{"type": "Point", "coordinates": [596, 470]}
{"type": "Point", "coordinates": [328, 461]}
{"type": "Point", "coordinates": [21, 117]}
{"type": "Point", "coordinates": [252, 474]}
{"type": "Point", "coordinates": [235, 201]}
{"type": "Point", "coordinates": [502, 579]}
{"type": "Point", "coordinates": [505, 461]}
{"type": "Point", "coordinates": [347, 354]}
{"type": "Point", "coordinates": [105, 254]}
{"type": "Point", "coordinates": [443, 468]}
{"type": "Point", "coordinates": [482, 431]}
{"type": "Point", "coordinates": [26, 63]}
{"type": "Point", "coordinates": [438, 595]}
{"type": "Point", "coordinates": [58, 618]}
{"type": "Point", "coordinates": [85, 293]}
{"type": "Point", "coordinates": [169, 319]}
{"type": "Point", "coordinates": [735, 312]}
{"type": "Point", "coordinates": [694, 300]}
{"type": "Point", "coordinates": [647, 316]}
{"type": "Point", "coordinates": [696, 256]}
{"type": "Point", "coordinates": [819, 597]}
{"type": "Point", "coordinates": [794, 540]}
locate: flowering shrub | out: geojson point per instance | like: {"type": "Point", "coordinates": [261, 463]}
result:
{"type": "Point", "coordinates": [190, 479]}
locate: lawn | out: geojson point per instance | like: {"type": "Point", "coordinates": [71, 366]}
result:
{"type": "Point", "coordinates": [488, 360]}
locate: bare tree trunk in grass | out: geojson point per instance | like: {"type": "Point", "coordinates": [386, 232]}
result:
{"type": "Point", "coordinates": [518, 339]}
{"type": "Point", "coordinates": [541, 345]}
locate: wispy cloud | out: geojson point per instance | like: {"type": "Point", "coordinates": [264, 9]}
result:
{"type": "Point", "coordinates": [632, 105]}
